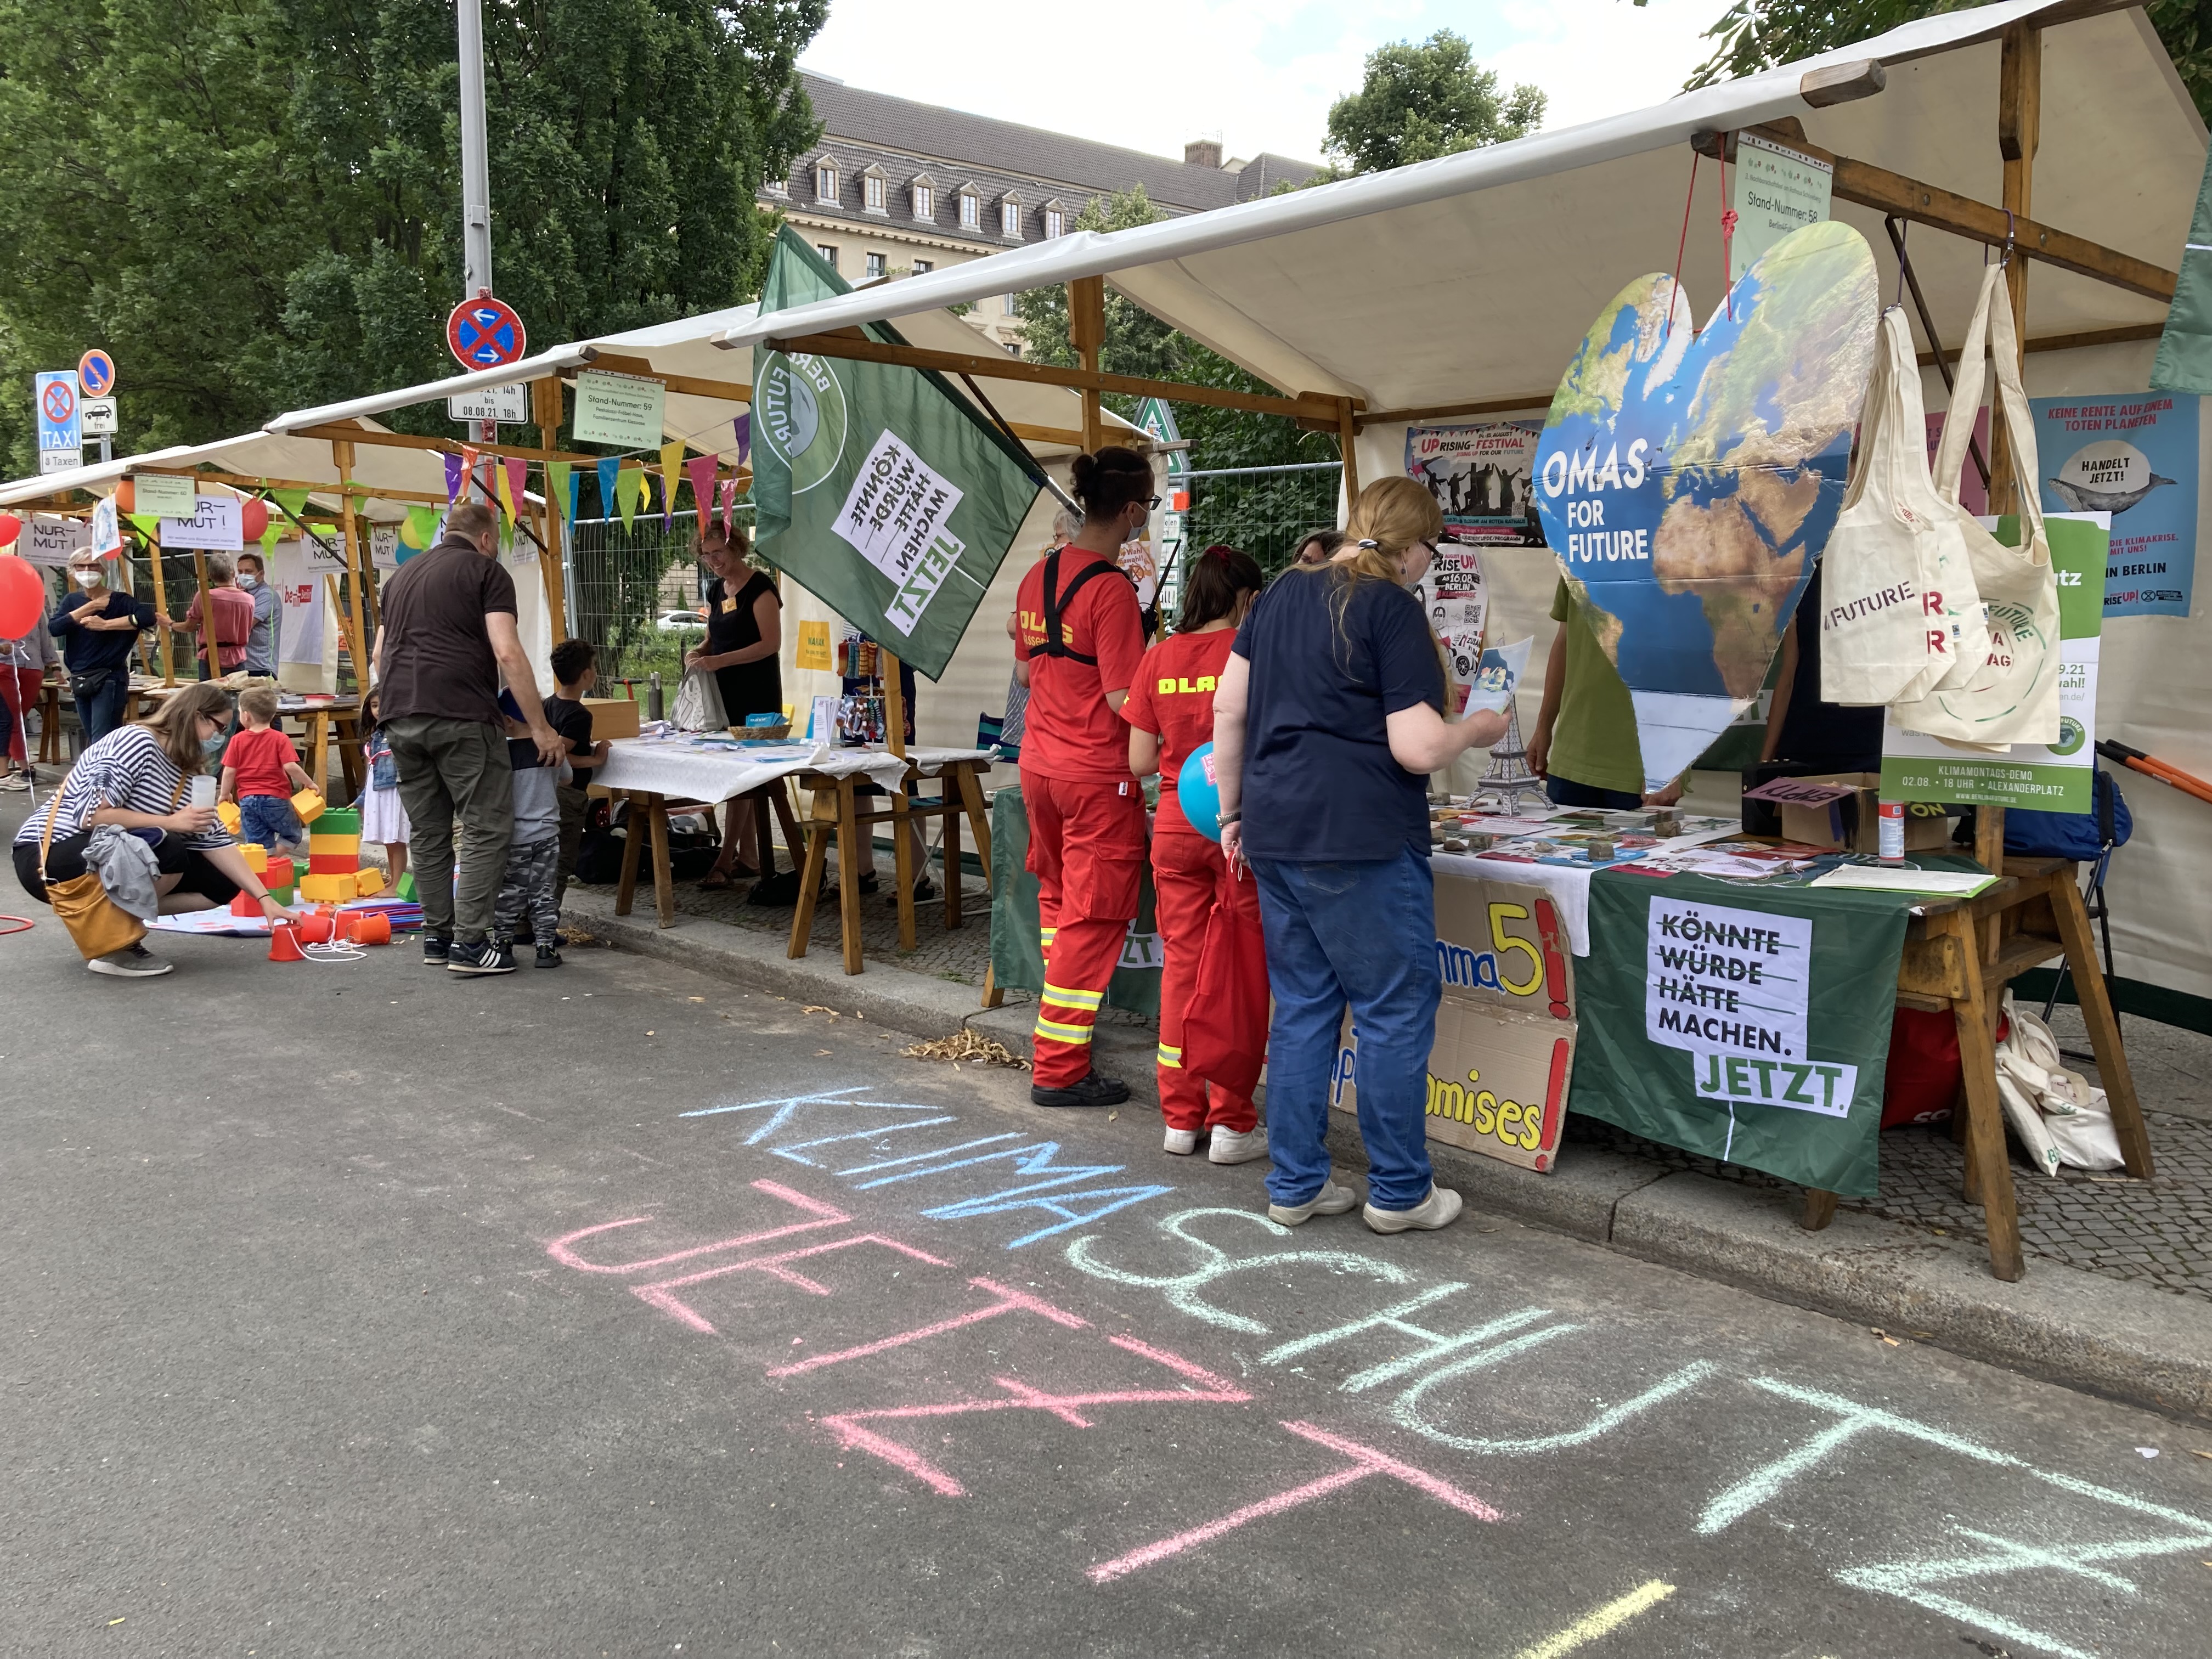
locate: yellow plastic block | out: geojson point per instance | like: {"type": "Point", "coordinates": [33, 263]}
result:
{"type": "Point", "coordinates": [327, 889]}
{"type": "Point", "coordinates": [371, 882]}
{"type": "Point", "coordinates": [309, 804]}
{"type": "Point", "coordinates": [333, 846]}
{"type": "Point", "coordinates": [225, 813]}
{"type": "Point", "coordinates": [257, 856]}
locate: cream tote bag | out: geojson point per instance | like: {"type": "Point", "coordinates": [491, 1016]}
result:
{"type": "Point", "coordinates": [2013, 698]}
{"type": "Point", "coordinates": [1899, 604]}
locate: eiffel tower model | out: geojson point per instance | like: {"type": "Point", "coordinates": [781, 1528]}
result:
{"type": "Point", "coordinates": [1509, 773]}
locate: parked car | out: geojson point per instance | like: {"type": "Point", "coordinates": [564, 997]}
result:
{"type": "Point", "coordinates": [674, 621]}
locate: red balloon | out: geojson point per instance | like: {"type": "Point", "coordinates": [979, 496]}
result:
{"type": "Point", "coordinates": [10, 527]}
{"type": "Point", "coordinates": [253, 519]}
{"type": "Point", "coordinates": [21, 594]}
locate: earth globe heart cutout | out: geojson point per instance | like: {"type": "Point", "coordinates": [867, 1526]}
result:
{"type": "Point", "coordinates": [1687, 484]}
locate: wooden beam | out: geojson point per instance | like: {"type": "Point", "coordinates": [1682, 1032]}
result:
{"type": "Point", "coordinates": [1311, 407]}
{"type": "Point", "coordinates": [356, 565]}
{"type": "Point", "coordinates": [1068, 435]}
{"type": "Point", "coordinates": [690, 385]}
{"type": "Point", "coordinates": [1867, 185]}
{"type": "Point", "coordinates": [353, 435]}
{"type": "Point", "coordinates": [1347, 445]}
{"type": "Point", "coordinates": [1086, 332]}
{"type": "Point", "coordinates": [2093, 336]}
{"type": "Point", "coordinates": [2019, 129]}
{"type": "Point", "coordinates": [240, 481]}
{"type": "Point", "coordinates": [550, 569]}
{"type": "Point", "coordinates": [1442, 411]}
{"type": "Point", "coordinates": [162, 604]}
{"type": "Point", "coordinates": [212, 656]}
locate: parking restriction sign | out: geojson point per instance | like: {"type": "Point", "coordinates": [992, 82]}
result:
{"type": "Point", "coordinates": [61, 433]}
{"type": "Point", "coordinates": [485, 333]}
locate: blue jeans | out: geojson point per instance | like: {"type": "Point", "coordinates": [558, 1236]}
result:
{"type": "Point", "coordinates": [1565, 792]}
{"type": "Point", "coordinates": [266, 820]}
{"type": "Point", "coordinates": [1362, 933]}
{"type": "Point", "coordinates": [102, 712]}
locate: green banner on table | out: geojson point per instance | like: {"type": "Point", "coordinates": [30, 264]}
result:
{"type": "Point", "coordinates": [1017, 956]}
{"type": "Point", "coordinates": [880, 488]}
{"type": "Point", "coordinates": [1750, 1025]}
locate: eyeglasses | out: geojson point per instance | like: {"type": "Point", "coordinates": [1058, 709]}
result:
{"type": "Point", "coordinates": [1152, 503]}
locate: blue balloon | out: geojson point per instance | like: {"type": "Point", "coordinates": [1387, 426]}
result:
{"type": "Point", "coordinates": [1197, 794]}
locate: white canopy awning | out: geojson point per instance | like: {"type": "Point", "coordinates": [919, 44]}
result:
{"type": "Point", "coordinates": [420, 472]}
{"type": "Point", "coordinates": [1471, 278]}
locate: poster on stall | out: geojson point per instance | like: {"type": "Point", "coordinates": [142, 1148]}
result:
{"type": "Point", "coordinates": [1483, 478]}
{"type": "Point", "coordinates": [2135, 457]}
{"type": "Point", "coordinates": [1452, 594]}
{"type": "Point", "coordinates": [1504, 1056]}
{"type": "Point", "coordinates": [50, 541]}
{"type": "Point", "coordinates": [2056, 778]}
{"type": "Point", "coordinates": [1018, 953]}
{"type": "Point", "coordinates": [300, 591]}
{"type": "Point", "coordinates": [1756, 1037]}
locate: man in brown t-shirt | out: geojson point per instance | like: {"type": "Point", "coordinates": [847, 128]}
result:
{"type": "Point", "coordinates": [448, 634]}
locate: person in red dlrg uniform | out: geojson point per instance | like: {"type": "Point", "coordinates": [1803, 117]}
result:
{"type": "Point", "coordinates": [1078, 640]}
{"type": "Point", "coordinates": [1170, 714]}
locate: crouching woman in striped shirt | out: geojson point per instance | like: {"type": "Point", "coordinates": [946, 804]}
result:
{"type": "Point", "coordinates": [134, 778]}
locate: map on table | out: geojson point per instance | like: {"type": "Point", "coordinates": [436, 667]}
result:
{"type": "Point", "coordinates": [1687, 482]}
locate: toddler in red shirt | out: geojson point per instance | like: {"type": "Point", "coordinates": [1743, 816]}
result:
{"type": "Point", "coordinates": [1169, 710]}
{"type": "Point", "coordinates": [261, 771]}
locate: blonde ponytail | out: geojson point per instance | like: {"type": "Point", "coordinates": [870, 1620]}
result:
{"type": "Point", "coordinates": [1390, 515]}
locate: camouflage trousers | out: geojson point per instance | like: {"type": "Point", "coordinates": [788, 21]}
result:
{"type": "Point", "coordinates": [526, 892]}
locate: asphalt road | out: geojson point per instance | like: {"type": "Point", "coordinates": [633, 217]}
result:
{"type": "Point", "coordinates": [353, 1309]}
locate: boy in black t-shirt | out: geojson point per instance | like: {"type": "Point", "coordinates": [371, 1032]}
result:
{"type": "Point", "coordinates": [575, 671]}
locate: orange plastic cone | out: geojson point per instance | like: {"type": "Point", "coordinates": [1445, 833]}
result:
{"type": "Point", "coordinates": [284, 943]}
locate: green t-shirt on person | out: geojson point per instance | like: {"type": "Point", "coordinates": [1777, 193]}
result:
{"type": "Point", "coordinates": [1594, 737]}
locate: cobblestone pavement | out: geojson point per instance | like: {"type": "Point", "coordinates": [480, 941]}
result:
{"type": "Point", "coordinates": [2159, 1231]}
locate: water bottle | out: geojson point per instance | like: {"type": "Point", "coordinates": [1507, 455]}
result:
{"type": "Point", "coordinates": [653, 696]}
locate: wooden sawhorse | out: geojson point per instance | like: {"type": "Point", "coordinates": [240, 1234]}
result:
{"type": "Point", "coordinates": [1958, 955]}
{"type": "Point", "coordinates": [655, 811]}
{"type": "Point", "coordinates": [837, 814]}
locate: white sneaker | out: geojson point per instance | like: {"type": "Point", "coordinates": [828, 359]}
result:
{"type": "Point", "coordinates": [1439, 1209]}
{"type": "Point", "coordinates": [1231, 1147]}
{"type": "Point", "coordinates": [1331, 1199]}
{"type": "Point", "coordinates": [1182, 1142]}
{"type": "Point", "coordinates": [131, 961]}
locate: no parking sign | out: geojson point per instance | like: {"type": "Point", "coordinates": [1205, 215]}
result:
{"type": "Point", "coordinates": [61, 435]}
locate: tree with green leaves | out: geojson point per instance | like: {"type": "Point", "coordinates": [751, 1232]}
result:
{"type": "Point", "coordinates": [1420, 100]}
{"type": "Point", "coordinates": [1137, 342]}
{"type": "Point", "coordinates": [254, 205]}
{"type": "Point", "coordinates": [1753, 36]}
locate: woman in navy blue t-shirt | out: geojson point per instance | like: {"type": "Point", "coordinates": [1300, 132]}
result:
{"type": "Point", "coordinates": [1328, 720]}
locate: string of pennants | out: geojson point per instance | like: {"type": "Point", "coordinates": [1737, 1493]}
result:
{"type": "Point", "coordinates": [625, 483]}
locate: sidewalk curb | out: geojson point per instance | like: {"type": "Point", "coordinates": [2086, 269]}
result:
{"type": "Point", "coordinates": [2147, 1347]}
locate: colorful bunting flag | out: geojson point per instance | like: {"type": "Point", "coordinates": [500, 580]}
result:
{"type": "Point", "coordinates": [517, 485]}
{"type": "Point", "coordinates": [608, 472]}
{"type": "Point", "coordinates": [630, 494]}
{"type": "Point", "coordinates": [500, 476]}
{"type": "Point", "coordinates": [701, 471]}
{"type": "Point", "coordinates": [561, 487]}
{"type": "Point", "coordinates": [294, 503]}
{"type": "Point", "coordinates": [471, 480]}
{"type": "Point", "coordinates": [672, 460]}
{"type": "Point", "coordinates": [456, 470]}
{"type": "Point", "coordinates": [729, 494]}
{"type": "Point", "coordinates": [147, 523]}
{"type": "Point", "coordinates": [743, 426]}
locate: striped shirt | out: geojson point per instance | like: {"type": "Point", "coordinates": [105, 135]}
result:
{"type": "Point", "coordinates": [127, 768]}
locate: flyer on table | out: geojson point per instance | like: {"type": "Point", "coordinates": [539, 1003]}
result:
{"type": "Point", "coordinates": [2135, 457]}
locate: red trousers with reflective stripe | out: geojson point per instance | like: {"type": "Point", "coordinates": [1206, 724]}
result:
{"type": "Point", "coordinates": [1087, 852]}
{"type": "Point", "coordinates": [1186, 885]}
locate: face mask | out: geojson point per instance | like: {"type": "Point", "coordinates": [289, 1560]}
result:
{"type": "Point", "coordinates": [213, 746]}
{"type": "Point", "coordinates": [86, 578]}
{"type": "Point", "coordinates": [249, 581]}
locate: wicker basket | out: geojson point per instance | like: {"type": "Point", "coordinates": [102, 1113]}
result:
{"type": "Point", "coordinates": [774, 733]}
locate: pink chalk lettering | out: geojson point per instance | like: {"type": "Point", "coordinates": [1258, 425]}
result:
{"type": "Point", "coordinates": [1010, 1301]}
{"type": "Point", "coordinates": [1070, 1408]}
{"type": "Point", "coordinates": [661, 1294]}
{"type": "Point", "coordinates": [562, 1251]}
{"type": "Point", "coordinates": [1366, 1461]}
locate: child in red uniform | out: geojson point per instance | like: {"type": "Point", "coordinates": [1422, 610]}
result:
{"type": "Point", "coordinates": [261, 771]}
{"type": "Point", "coordinates": [1078, 639]}
{"type": "Point", "coordinates": [1170, 712]}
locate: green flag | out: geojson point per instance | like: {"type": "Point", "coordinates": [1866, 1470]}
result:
{"type": "Point", "coordinates": [879, 489]}
{"type": "Point", "coordinates": [2184, 362]}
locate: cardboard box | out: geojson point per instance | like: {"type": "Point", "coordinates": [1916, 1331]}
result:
{"type": "Point", "coordinates": [1853, 825]}
{"type": "Point", "coordinates": [613, 717]}
{"type": "Point", "coordinates": [1497, 1081]}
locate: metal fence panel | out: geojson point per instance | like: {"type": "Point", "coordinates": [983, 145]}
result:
{"type": "Point", "coordinates": [620, 582]}
{"type": "Point", "coordinates": [1265, 511]}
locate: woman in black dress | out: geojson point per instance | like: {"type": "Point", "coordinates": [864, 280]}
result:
{"type": "Point", "coordinates": [745, 632]}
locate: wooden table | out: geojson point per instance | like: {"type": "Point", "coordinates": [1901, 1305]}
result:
{"type": "Point", "coordinates": [50, 721]}
{"type": "Point", "coordinates": [319, 718]}
{"type": "Point", "coordinates": [1958, 955]}
{"type": "Point", "coordinates": [655, 810]}
{"type": "Point", "coordinates": [838, 813]}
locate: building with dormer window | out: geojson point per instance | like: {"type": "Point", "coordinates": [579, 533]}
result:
{"type": "Point", "coordinates": [894, 187]}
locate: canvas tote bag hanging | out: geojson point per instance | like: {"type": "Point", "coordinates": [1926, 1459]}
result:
{"type": "Point", "coordinates": [2015, 697]}
{"type": "Point", "coordinates": [97, 925]}
{"type": "Point", "coordinates": [1899, 606]}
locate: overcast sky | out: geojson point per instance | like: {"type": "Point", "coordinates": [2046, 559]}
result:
{"type": "Point", "coordinates": [1151, 73]}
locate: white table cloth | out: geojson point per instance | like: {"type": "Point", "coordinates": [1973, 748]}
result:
{"type": "Point", "coordinates": [689, 768]}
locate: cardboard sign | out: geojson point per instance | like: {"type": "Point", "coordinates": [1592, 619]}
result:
{"type": "Point", "coordinates": [216, 526]}
{"type": "Point", "coordinates": [163, 495]}
{"type": "Point", "coordinates": [1503, 1053]}
{"type": "Point", "coordinates": [50, 541]}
